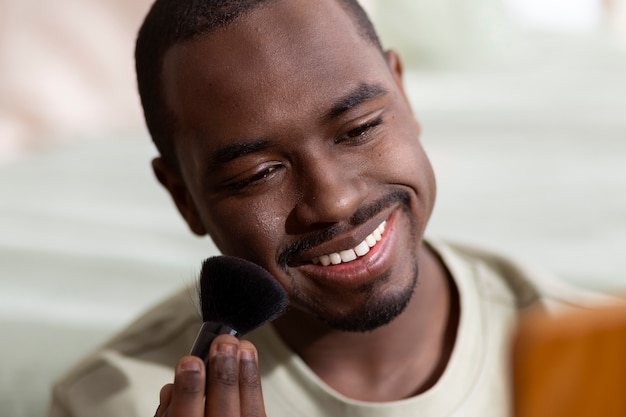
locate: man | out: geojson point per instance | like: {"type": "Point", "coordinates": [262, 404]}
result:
{"type": "Point", "coordinates": [286, 135]}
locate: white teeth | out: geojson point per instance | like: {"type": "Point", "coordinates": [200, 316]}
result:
{"type": "Point", "coordinates": [349, 255]}
{"type": "Point", "coordinates": [362, 249]}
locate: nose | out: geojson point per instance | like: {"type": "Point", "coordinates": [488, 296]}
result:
{"type": "Point", "coordinates": [330, 192]}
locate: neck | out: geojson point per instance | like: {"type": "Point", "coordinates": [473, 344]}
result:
{"type": "Point", "coordinates": [396, 361]}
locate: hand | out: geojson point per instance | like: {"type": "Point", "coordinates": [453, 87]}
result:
{"type": "Point", "coordinates": [232, 389]}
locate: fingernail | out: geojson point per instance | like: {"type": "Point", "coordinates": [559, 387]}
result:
{"type": "Point", "coordinates": [247, 355]}
{"type": "Point", "coordinates": [227, 349]}
{"type": "Point", "coordinates": [189, 365]}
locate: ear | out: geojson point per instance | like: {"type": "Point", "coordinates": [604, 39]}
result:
{"type": "Point", "coordinates": [397, 70]}
{"type": "Point", "coordinates": [177, 188]}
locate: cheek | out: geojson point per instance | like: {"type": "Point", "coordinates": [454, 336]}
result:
{"type": "Point", "coordinates": [406, 163]}
{"type": "Point", "coordinates": [404, 158]}
{"type": "Point", "coordinates": [248, 229]}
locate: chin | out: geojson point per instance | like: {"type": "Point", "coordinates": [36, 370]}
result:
{"type": "Point", "coordinates": [378, 310]}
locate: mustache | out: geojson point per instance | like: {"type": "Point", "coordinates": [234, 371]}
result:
{"type": "Point", "coordinates": [360, 216]}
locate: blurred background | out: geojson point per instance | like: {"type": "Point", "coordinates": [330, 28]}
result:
{"type": "Point", "coordinates": [523, 108]}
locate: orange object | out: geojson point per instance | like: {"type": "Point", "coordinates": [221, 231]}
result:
{"type": "Point", "coordinates": [572, 365]}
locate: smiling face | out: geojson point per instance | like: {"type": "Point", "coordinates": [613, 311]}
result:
{"type": "Point", "coordinates": [297, 147]}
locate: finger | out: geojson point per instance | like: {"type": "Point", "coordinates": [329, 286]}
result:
{"type": "Point", "coordinates": [187, 398]}
{"type": "Point", "coordinates": [165, 396]}
{"type": "Point", "coordinates": [250, 392]}
{"type": "Point", "coordinates": [223, 378]}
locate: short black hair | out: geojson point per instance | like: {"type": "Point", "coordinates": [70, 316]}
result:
{"type": "Point", "coordinates": [170, 22]}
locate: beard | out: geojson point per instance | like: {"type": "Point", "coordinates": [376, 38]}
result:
{"type": "Point", "coordinates": [377, 310]}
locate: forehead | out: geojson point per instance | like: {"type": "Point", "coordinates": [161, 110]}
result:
{"type": "Point", "coordinates": [275, 63]}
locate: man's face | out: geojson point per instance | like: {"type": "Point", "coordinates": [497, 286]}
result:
{"type": "Point", "coordinates": [296, 142]}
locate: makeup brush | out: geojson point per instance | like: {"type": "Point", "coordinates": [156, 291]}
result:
{"type": "Point", "coordinates": [236, 297]}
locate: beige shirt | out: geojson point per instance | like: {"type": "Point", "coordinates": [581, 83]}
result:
{"type": "Point", "coordinates": [124, 377]}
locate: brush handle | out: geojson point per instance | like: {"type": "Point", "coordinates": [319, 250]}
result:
{"type": "Point", "coordinates": [208, 332]}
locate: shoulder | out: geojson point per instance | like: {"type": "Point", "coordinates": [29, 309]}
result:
{"type": "Point", "coordinates": [160, 326]}
{"type": "Point", "coordinates": [137, 360]}
{"type": "Point", "coordinates": [530, 284]}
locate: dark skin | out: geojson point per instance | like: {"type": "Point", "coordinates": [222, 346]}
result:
{"type": "Point", "coordinates": [302, 152]}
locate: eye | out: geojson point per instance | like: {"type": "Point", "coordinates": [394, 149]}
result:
{"type": "Point", "coordinates": [253, 179]}
{"type": "Point", "coordinates": [360, 133]}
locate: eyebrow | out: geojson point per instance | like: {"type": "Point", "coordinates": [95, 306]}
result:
{"type": "Point", "coordinates": [360, 94]}
{"type": "Point", "coordinates": [233, 151]}
{"type": "Point", "coordinates": [363, 92]}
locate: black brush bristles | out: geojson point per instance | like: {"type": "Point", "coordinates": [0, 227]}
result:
{"type": "Point", "coordinates": [239, 294]}
{"type": "Point", "coordinates": [236, 297]}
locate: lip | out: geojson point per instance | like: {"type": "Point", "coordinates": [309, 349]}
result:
{"type": "Point", "coordinates": [362, 269]}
